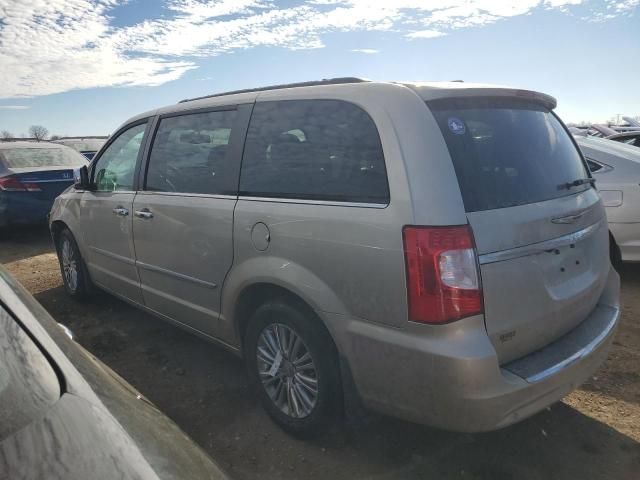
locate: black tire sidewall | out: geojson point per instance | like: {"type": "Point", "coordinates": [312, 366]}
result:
{"type": "Point", "coordinates": [320, 346]}
{"type": "Point", "coordinates": [81, 289]}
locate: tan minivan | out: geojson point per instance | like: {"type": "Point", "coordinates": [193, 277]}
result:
{"type": "Point", "coordinates": [438, 248]}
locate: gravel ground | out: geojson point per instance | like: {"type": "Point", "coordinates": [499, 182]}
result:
{"type": "Point", "coordinates": [593, 433]}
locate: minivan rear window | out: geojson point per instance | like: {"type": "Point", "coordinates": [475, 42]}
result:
{"type": "Point", "coordinates": [507, 152]}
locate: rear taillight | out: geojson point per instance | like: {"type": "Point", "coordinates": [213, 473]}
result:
{"type": "Point", "coordinates": [12, 184]}
{"type": "Point", "coordinates": [443, 284]}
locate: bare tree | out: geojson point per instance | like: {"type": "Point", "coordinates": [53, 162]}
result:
{"type": "Point", "coordinates": [5, 135]}
{"type": "Point", "coordinates": [55, 137]}
{"type": "Point", "coordinates": [38, 132]}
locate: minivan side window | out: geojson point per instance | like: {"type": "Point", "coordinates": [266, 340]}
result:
{"type": "Point", "coordinates": [115, 168]}
{"type": "Point", "coordinates": [191, 154]}
{"type": "Point", "coordinates": [313, 149]}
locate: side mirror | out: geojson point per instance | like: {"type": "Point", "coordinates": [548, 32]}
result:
{"type": "Point", "coordinates": [81, 178]}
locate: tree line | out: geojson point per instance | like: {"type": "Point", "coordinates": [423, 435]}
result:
{"type": "Point", "coordinates": [38, 132]}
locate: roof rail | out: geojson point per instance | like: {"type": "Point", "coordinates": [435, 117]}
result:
{"type": "Point", "coordinates": [324, 81]}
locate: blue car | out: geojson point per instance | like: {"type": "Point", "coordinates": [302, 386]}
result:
{"type": "Point", "coordinates": [32, 175]}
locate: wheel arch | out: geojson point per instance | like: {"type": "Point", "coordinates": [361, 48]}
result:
{"type": "Point", "coordinates": [260, 279]}
{"type": "Point", "coordinates": [56, 227]}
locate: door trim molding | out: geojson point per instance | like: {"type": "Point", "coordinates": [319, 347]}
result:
{"type": "Point", "coordinates": [215, 340]}
{"type": "Point", "coordinates": [153, 268]}
{"type": "Point", "coordinates": [115, 256]}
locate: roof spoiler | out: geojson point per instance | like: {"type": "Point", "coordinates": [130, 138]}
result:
{"type": "Point", "coordinates": [457, 90]}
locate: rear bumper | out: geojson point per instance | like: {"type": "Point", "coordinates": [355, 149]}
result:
{"type": "Point", "coordinates": [23, 208]}
{"type": "Point", "coordinates": [627, 237]}
{"type": "Point", "coordinates": [449, 376]}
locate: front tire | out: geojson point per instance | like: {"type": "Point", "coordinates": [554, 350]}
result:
{"type": "Point", "coordinates": [74, 272]}
{"type": "Point", "coordinates": [291, 361]}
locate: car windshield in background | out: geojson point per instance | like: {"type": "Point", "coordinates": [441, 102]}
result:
{"type": "Point", "coordinates": [508, 152]}
{"type": "Point", "coordinates": [41, 157]}
{"type": "Point", "coordinates": [86, 146]}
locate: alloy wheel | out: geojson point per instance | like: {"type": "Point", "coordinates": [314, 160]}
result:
{"type": "Point", "coordinates": [69, 265]}
{"type": "Point", "coordinates": [287, 370]}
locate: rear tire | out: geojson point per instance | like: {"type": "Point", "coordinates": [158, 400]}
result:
{"type": "Point", "coordinates": [73, 269]}
{"type": "Point", "coordinates": [292, 364]}
{"type": "Point", "coordinates": [614, 253]}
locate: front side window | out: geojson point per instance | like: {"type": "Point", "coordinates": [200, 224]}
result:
{"type": "Point", "coordinates": [116, 167]}
{"type": "Point", "coordinates": [191, 154]}
{"type": "Point", "coordinates": [507, 152]}
{"type": "Point", "coordinates": [314, 149]}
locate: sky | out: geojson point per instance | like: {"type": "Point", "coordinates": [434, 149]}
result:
{"type": "Point", "coordinates": [82, 67]}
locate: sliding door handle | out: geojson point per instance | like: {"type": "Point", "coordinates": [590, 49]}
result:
{"type": "Point", "coordinates": [123, 212]}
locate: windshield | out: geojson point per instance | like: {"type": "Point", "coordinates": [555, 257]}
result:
{"type": "Point", "coordinates": [41, 157]}
{"type": "Point", "coordinates": [508, 152]}
{"type": "Point", "coordinates": [28, 383]}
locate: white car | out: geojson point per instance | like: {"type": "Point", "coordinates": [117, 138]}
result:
{"type": "Point", "coordinates": [87, 146]}
{"type": "Point", "coordinates": [616, 167]}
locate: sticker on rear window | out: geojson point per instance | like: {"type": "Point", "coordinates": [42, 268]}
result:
{"type": "Point", "coordinates": [456, 126]}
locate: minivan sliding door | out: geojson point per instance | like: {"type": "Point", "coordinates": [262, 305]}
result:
{"type": "Point", "coordinates": [183, 215]}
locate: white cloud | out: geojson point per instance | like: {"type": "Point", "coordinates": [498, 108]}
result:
{"type": "Point", "coordinates": [365, 50]}
{"type": "Point", "coordinates": [51, 46]}
{"type": "Point", "coordinates": [425, 34]}
{"type": "Point", "coordinates": [14, 107]}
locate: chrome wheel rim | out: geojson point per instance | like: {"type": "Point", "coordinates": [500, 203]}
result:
{"type": "Point", "coordinates": [69, 265]}
{"type": "Point", "coordinates": [287, 370]}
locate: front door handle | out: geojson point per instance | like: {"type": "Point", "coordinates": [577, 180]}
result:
{"type": "Point", "coordinates": [144, 213]}
{"type": "Point", "coordinates": [119, 210]}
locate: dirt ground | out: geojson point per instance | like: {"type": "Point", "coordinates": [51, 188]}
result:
{"type": "Point", "coordinates": [593, 433]}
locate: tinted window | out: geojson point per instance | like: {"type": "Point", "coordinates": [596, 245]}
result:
{"type": "Point", "coordinates": [635, 141]}
{"type": "Point", "coordinates": [28, 384]}
{"type": "Point", "coordinates": [313, 149]}
{"type": "Point", "coordinates": [191, 154]}
{"type": "Point", "coordinates": [507, 152]}
{"type": "Point", "coordinates": [116, 166]}
{"type": "Point", "coordinates": [41, 157]}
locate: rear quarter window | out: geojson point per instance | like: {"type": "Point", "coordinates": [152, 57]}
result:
{"type": "Point", "coordinates": [507, 152]}
{"type": "Point", "coordinates": [314, 149]}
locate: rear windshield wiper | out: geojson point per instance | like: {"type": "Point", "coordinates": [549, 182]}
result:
{"type": "Point", "coordinates": [577, 183]}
